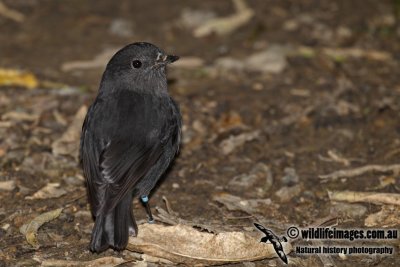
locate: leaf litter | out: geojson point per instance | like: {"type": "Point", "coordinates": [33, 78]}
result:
{"type": "Point", "coordinates": [233, 142]}
{"type": "Point", "coordinates": [104, 262]}
{"type": "Point", "coordinates": [51, 190]}
{"type": "Point", "coordinates": [68, 143]}
{"type": "Point", "coordinates": [388, 216]}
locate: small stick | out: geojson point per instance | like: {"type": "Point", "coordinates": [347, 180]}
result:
{"type": "Point", "coordinates": [370, 197]}
{"type": "Point", "coordinates": [10, 13]}
{"type": "Point", "coordinates": [167, 205]}
{"type": "Point", "coordinates": [361, 170]}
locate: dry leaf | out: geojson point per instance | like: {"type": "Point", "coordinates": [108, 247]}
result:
{"type": "Point", "coordinates": [68, 144]}
{"type": "Point", "coordinates": [271, 60]}
{"type": "Point", "coordinates": [30, 229]}
{"type": "Point", "coordinates": [7, 185]}
{"type": "Point", "coordinates": [20, 116]}
{"type": "Point", "coordinates": [249, 206]}
{"type": "Point", "coordinates": [5, 124]}
{"type": "Point", "coordinates": [347, 210]}
{"type": "Point", "coordinates": [384, 181]}
{"type": "Point", "coordinates": [103, 262]}
{"type": "Point", "coordinates": [160, 261]}
{"type": "Point", "coordinates": [51, 190]}
{"type": "Point", "coordinates": [12, 77]}
{"type": "Point", "coordinates": [226, 25]}
{"type": "Point", "coordinates": [343, 53]}
{"type": "Point", "coordinates": [338, 158]}
{"type": "Point", "coordinates": [388, 216]}
{"type": "Point", "coordinates": [185, 245]}
{"type": "Point", "coordinates": [99, 61]}
{"type": "Point", "coordinates": [232, 142]}
{"type": "Point", "coordinates": [370, 197]}
{"type": "Point", "coordinates": [192, 18]}
{"type": "Point", "coordinates": [286, 193]}
{"type": "Point", "coordinates": [229, 121]}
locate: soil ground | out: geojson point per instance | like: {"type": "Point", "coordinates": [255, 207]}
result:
{"type": "Point", "coordinates": [319, 114]}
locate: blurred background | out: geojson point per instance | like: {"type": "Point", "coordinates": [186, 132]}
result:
{"type": "Point", "coordinates": [276, 96]}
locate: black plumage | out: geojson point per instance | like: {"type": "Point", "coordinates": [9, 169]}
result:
{"type": "Point", "coordinates": [130, 135]}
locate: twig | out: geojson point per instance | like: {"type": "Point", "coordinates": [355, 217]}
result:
{"type": "Point", "coordinates": [167, 205]}
{"type": "Point", "coordinates": [336, 157]}
{"type": "Point", "coordinates": [226, 25]}
{"type": "Point", "coordinates": [11, 217]}
{"type": "Point", "coordinates": [10, 13]}
{"type": "Point", "coordinates": [75, 199]}
{"type": "Point", "coordinates": [98, 61]}
{"type": "Point", "coordinates": [239, 217]}
{"type": "Point", "coordinates": [328, 221]}
{"type": "Point", "coordinates": [361, 170]}
{"type": "Point", "coordinates": [370, 197]}
{"type": "Point", "coordinates": [392, 153]}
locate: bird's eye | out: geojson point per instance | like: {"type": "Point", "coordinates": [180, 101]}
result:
{"type": "Point", "coordinates": [136, 64]}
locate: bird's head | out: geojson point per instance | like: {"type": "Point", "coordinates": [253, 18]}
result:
{"type": "Point", "coordinates": [139, 65]}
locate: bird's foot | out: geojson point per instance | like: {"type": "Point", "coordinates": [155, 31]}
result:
{"type": "Point", "coordinates": [145, 200]}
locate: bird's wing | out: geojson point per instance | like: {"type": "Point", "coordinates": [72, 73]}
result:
{"type": "Point", "coordinates": [89, 153]}
{"type": "Point", "coordinates": [123, 166]}
{"type": "Point", "coordinates": [123, 143]}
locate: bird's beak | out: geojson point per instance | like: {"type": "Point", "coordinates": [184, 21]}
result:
{"type": "Point", "coordinates": [170, 58]}
{"type": "Point", "coordinates": [166, 59]}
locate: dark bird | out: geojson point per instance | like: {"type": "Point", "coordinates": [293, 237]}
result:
{"type": "Point", "coordinates": [275, 241]}
{"type": "Point", "coordinates": [130, 135]}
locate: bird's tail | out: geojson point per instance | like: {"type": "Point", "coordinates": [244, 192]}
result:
{"type": "Point", "coordinates": [113, 229]}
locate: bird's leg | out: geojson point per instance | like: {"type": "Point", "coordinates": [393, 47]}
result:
{"type": "Point", "coordinates": [145, 201]}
